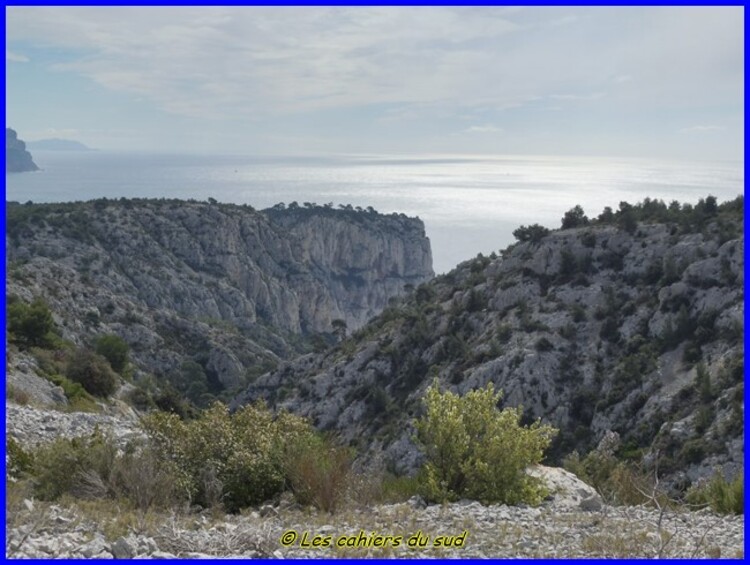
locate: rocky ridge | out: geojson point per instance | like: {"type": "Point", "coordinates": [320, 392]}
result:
{"type": "Point", "coordinates": [591, 329]}
{"type": "Point", "coordinates": [226, 286]}
{"type": "Point", "coordinates": [485, 321]}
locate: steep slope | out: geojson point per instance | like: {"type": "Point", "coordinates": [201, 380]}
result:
{"type": "Point", "coordinates": [614, 325]}
{"type": "Point", "coordinates": [17, 159]}
{"type": "Point", "coordinates": [225, 286]}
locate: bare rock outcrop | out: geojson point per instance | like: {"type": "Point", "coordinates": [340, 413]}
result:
{"type": "Point", "coordinates": [591, 329]}
{"type": "Point", "coordinates": [224, 285]}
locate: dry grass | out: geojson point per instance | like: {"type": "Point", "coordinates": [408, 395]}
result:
{"type": "Point", "coordinates": [17, 395]}
{"type": "Point", "coordinates": [320, 475]}
{"type": "Point", "coordinates": [620, 544]}
{"type": "Point", "coordinates": [115, 518]}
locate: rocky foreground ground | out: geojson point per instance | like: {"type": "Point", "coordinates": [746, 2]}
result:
{"type": "Point", "coordinates": [277, 532]}
{"type": "Point", "coordinates": [573, 522]}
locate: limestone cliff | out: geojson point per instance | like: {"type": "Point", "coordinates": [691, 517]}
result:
{"type": "Point", "coordinates": [631, 327]}
{"type": "Point", "coordinates": [17, 159]}
{"type": "Point", "coordinates": [226, 286]}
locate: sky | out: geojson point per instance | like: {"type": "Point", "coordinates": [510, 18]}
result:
{"type": "Point", "coordinates": [627, 82]}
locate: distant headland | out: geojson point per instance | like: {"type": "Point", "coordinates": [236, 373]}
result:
{"type": "Point", "coordinates": [57, 144]}
{"type": "Point", "coordinates": [17, 159]}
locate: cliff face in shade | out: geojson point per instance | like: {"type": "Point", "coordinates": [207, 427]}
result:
{"type": "Point", "coordinates": [228, 283]}
{"type": "Point", "coordinates": [17, 159]}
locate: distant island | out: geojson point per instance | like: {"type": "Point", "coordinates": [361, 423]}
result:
{"type": "Point", "coordinates": [17, 159]}
{"type": "Point", "coordinates": [57, 144]}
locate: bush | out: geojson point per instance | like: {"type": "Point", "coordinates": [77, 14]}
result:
{"type": "Point", "coordinates": [578, 313]}
{"type": "Point", "coordinates": [475, 451]}
{"type": "Point", "coordinates": [144, 479]}
{"type": "Point", "coordinates": [610, 330]}
{"type": "Point", "coordinates": [114, 349]}
{"type": "Point", "coordinates": [543, 344]}
{"type": "Point", "coordinates": [533, 233]}
{"type": "Point", "coordinates": [618, 482]}
{"type": "Point", "coordinates": [93, 372]}
{"type": "Point", "coordinates": [20, 461]}
{"type": "Point", "coordinates": [30, 324]}
{"type": "Point", "coordinates": [140, 399]}
{"type": "Point", "coordinates": [724, 497]}
{"type": "Point", "coordinates": [574, 218]}
{"type": "Point", "coordinates": [78, 398]}
{"type": "Point", "coordinates": [398, 489]}
{"type": "Point", "coordinates": [237, 459]}
{"type": "Point", "coordinates": [318, 473]}
{"type": "Point", "coordinates": [169, 400]}
{"type": "Point", "coordinates": [93, 468]}
{"type": "Point", "coordinates": [68, 466]}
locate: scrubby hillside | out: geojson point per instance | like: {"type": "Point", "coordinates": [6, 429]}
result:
{"type": "Point", "coordinates": [632, 322]}
{"type": "Point", "coordinates": [205, 290]}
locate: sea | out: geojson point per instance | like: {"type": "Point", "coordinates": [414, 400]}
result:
{"type": "Point", "coordinates": [470, 204]}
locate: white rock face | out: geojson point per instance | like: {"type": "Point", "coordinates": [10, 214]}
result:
{"type": "Point", "coordinates": [566, 490]}
{"type": "Point", "coordinates": [183, 279]}
{"type": "Point", "coordinates": [23, 383]}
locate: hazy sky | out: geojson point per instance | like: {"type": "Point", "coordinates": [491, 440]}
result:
{"type": "Point", "coordinates": [663, 82]}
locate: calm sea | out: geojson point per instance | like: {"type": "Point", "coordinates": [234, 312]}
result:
{"type": "Point", "coordinates": [469, 204]}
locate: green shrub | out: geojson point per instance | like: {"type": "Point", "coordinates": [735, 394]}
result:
{"type": "Point", "coordinates": [724, 497]}
{"type": "Point", "coordinates": [93, 468]}
{"type": "Point", "coordinates": [703, 383]}
{"type": "Point", "coordinates": [114, 349]}
{"type": "Point", "coordinates": [30, 324]}
{"type": "Point", "coordinates": [618, 482]}
{"type": "Point", "coordinates": [574, 218]}
{"type": "Point", "coordinates": [533, 233]}
{"type": "Point", "coordinates": [242, 456]}
{"type": "Point", "coordinates": [399, 489]}
{"type": "Point", "coordinates": [93, 372]}
{"type": "Point", "coordinates": [475, 451]}
{"type": "Point", "coordinates": [543, 344]}
{"type": "Point", "coordinates": [69, 466]}
{"type": "Point", "coordinates": [578, 312]}
{"type": "Point", "coordinates": [693, 451]}
{"type": "Point", "coordinates": [140, 399]}
{"type": "Point", "coordinates": [503, 333]}
{"type": "Point", "coordinates": [77, 396]}
{"type": "Point", "coordinates": [20, 461]}
{"type": "Point", "coordinates": [169, 400]}
{"type": "Point", "coordinates": [610, 330]}
{"type": "Point", "coordinates": [692, 353]}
